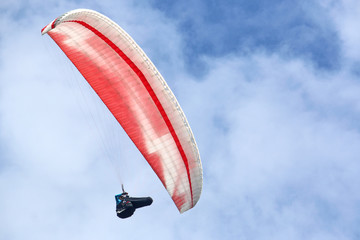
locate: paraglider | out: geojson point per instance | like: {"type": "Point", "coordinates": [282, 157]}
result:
{"type": "Point", "coordinates": [126, 206]}
{"type": "Point", "coordinates": [137, 95]}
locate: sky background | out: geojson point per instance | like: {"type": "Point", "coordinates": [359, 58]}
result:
{"type": "Point", "coordinates": [271, 90]}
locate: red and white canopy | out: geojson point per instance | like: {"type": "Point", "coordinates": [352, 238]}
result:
{"type": "Point", "coordinates": [137, 95]}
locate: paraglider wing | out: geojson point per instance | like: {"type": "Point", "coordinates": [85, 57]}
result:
{"type": "Point", "coordinates": [137, 95]}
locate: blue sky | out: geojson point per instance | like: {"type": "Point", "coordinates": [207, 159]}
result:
{"type": "Point", "coordinates": [271, 92]}
{"type": "Point", "coordinates": [297, 29]}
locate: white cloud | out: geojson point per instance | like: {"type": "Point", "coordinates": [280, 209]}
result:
{"type": "Point", "coordinates": [345, 15]}
{"type": "Point", "coordinates": [279, 155]}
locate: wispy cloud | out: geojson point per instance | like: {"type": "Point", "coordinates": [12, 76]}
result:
{"type": "Point", "coordinates": [217, 28]}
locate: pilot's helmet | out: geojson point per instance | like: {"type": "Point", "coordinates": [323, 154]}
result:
{"type": "Point", "coordinates": [124, 194]}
